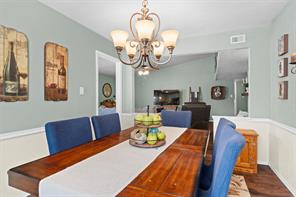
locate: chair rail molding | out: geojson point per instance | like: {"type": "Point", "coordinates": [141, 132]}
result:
{"type": "Point", "coordinates": [21, 133]}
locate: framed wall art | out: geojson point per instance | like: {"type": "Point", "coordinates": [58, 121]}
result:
{"type": "Point", "coordinates": [293, 62]}
{"type": "Point", "coordinates": [107, 90]}
{"type": "Point", "coordinates": [283, 45]}
{"type": "Point", "coordinates": [14, 61]}
{"type": "Point", "coordinates": [293, 58]}
{"type": "Point", "coordinates": [56, 72]}
{"type": "Point", "coordinates": [283, 67]}
{"type": "Point", "coordinates": [218, 92]}
{"type": "Point", "coordinates": [283, 90]}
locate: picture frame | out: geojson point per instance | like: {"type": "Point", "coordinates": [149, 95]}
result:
{"type": "Point", "coordinates": [55, 72]}
{"type": "Point", "coordinates": [283, 45]}
{"type": "Point", "coordinates": [283, 67]}
{"type": "Point", "coordinates": [218, 92]}
{"type": "Point", "coordinates": [283, 90]}
{"type": "Point", "coordinates": [293, 58]}
{"type": "Point", "coordinates": [14, 65]}
{"type": "Point", "coordinates": [107, 90]}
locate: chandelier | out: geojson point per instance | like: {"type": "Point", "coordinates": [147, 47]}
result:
{"type": "Point", "coordinates": [145, 50]}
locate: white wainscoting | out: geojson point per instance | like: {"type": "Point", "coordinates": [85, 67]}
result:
{"type": "Point", "coordinates": [20, 147]}
{"type": "Point", "coordinates": [276, 146]}
{"type": "Point", "coordinates": [18, 150]}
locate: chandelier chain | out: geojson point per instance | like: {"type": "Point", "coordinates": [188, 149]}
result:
{"type": "Point", "coordinates": [145, 3]}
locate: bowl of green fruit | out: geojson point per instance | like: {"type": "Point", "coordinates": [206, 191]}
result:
{"type": "Point", "coordinates": [147, 138]}
{"type": "Point", "coordinates": [148, 120]}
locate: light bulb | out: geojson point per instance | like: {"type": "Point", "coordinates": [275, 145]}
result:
{"type": "Point", "coordinates": [146, 72]}
{"type": "Point", "coordinates": [140, 72]}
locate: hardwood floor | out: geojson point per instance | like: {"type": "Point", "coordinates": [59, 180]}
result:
{"type": "Point", "coordinates": [264, 183]}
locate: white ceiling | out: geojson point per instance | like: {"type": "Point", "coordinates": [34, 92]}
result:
{"type": "Point", "coordinates": [232, 64]}
{"type": "Point", "coordinates": [190, 17]}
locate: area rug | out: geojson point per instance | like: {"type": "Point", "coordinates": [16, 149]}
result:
{"type": "Point", "coordinates": [238, 187]}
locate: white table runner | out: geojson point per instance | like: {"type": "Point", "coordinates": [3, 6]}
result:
{"type": "Point", "coordinates": [106, 173]}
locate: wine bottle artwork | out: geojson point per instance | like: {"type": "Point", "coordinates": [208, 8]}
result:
{"type": "Point", "coordinates": [13, 65]}
{"type": "Point", "coordinates": [56, 67]}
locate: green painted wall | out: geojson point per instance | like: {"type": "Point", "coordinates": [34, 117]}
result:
{"type": "Point", "coordinates": [197, 73]}
{"type": "Point", "coordinates": [283, 110]}
{"type": "Point", "coordinates": [42, 24]}
{"type": "Point", "coordinates": [106, 79]}
{"type": "Point", "coordinates": [258, 40]}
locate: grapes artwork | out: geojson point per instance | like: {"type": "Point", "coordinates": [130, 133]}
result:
{"type": "Point", "coordinates": [56, 72]}
{"type": "Point", "coordinates": [14, 62]}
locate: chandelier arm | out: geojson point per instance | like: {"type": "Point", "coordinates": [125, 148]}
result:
{"type": "Point", "coordinates": [131, 25]}
{"type": "Point", "coordinates": [140, 63]}
{"type": "Point", "coordinates": [158, 24]}
{"type": "Point", "coordinates": [129, 64]}
{"type": "Point", "coordinates": [151, 65]}
{"type": "Point", "coordinates": [164, 62]}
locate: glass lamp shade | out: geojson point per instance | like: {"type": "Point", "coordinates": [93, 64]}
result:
{"type": "Point", "coordinates": [170, 38]}
{"type": "Point", "coordinates": [145, 29]}
{"type": "Point", "coordinates": [119, 38]}
{"type": "Point", "coordinates": [140, 72]}
{"type": "Point", "coordinates": [131, 48]}
{"type": "Point", "coordinates": [143, 72]}
{"type": "Point", "coordinates": [146, 72]}
{"type": "Point", "coordinates": [158, 48]}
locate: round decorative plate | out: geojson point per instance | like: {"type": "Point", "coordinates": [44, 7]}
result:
{"type": "Point", "coordinates": [107, 90]}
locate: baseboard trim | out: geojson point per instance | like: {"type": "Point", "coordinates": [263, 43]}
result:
{"type": "Point", "coordinates": [284, 181]}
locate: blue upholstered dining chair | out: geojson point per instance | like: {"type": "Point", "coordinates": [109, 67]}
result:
{"type": "Point", "coordinates": [176, 118]}
{"type": "Point", "coordinates": [106, 124]}
{"type": "Point", "coordinates": [207, 170]}
{"type": "Point", "coordinates": [228, 150]}
{"type": "Point", "coordinates": [65, 134]}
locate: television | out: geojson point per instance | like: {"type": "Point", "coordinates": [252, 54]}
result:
{"type": "Point", "coordinates": [166, 97]}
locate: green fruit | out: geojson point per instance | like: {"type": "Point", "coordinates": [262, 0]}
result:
{"type": "Point", "coordinates": [161, 135]}
{"type": "Point", "coordinates": [147, 120]}
{"type": "Point", "coordinates": [139, 117]}
{"type": "Point", "coordinates": [152, 139]}
{"type": "Point", "coordinates": [156, 119]}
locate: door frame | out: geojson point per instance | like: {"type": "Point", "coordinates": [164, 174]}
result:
{"type": "Point", "coordinates": [118, 79]}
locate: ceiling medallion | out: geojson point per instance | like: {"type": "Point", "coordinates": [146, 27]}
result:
{"type": "Point", "coordinates": [145, 49]}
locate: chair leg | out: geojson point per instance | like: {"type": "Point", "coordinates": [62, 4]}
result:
{"type": "Point", "coordinates": [207, 144]}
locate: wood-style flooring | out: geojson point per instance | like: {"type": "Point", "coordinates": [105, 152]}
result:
{"type": "Point", "coordinates": [265, 183]}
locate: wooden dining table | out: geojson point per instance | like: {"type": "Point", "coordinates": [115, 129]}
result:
{"type": "Point", "coordinates": [173, 173]}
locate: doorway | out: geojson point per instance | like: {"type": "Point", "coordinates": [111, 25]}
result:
{"type": "Point", "coordinates": [108, 84]}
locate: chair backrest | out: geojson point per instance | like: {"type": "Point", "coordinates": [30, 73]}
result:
{"type": "Point", "coordinates": [106, 124]}
{"type": "Point", "coordinates": [176, 118]}
{"type": "Point", "coordinates": [65, 134]}
{"type": "Point", "coordinates": [200, 115]}
{"type": "Point", "coordinates": [222, 123]}
{"type": "Point", "coordinates": [229, 149]}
